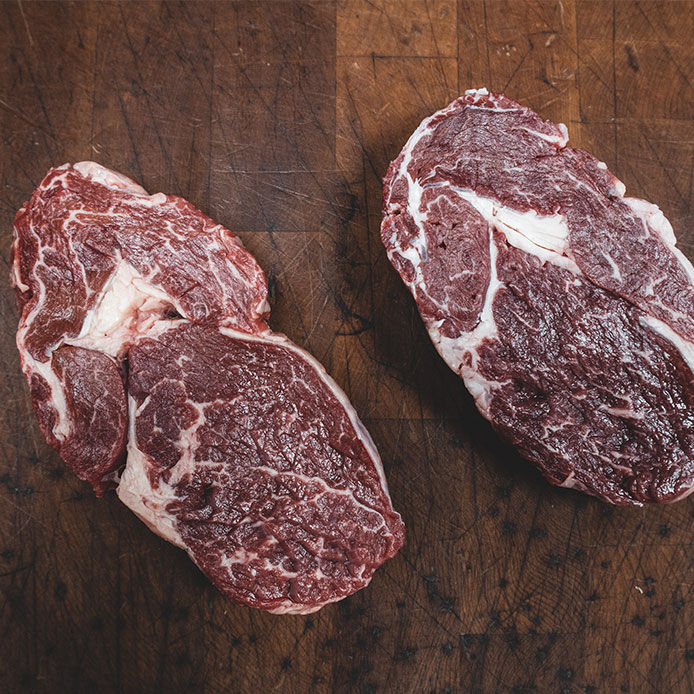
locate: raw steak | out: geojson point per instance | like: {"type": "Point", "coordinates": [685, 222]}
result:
{"type": "Point", "coordinates": [565, 307]}
{"type": "Point", "coordinates": [142, 334]}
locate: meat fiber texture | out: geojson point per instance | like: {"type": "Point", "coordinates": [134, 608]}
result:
{"type": "Point", "coordinates": [152, 370]}
{"type": "Point", "coordinates": [565, 306]}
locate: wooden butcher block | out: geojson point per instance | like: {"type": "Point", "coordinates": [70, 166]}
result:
{"type": "Point", "coordinates": [278, 119]}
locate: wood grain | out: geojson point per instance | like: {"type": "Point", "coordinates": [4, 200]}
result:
{"type": "Point", "coordinates": [279, 118]}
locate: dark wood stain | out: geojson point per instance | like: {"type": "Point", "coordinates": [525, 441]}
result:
{"type": "Point", "coordinates": [278, 119]}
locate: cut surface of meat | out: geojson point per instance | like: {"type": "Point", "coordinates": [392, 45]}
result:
{"type": "Point", "coordinates": [565, 306]}
{"type": "Point", "coordinates": [95, 261]}
{"type": "Point", "coordinates": [143, 336]}
{"type": "Point", "coordinates": [244, 452]}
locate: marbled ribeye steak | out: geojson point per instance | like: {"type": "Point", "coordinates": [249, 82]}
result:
{"type": "Point", "coordinates": [152, 370]}
{"type": "Point", "coordinates": [564, 305]}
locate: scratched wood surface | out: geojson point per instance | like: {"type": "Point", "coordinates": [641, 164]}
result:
{"type": "Point", "coordinates": [278, 119]}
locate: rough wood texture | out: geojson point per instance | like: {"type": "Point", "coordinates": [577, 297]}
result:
{"type": "Point", "coordinates": [278, 119]}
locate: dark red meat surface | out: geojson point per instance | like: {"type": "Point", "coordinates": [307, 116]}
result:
{"type": "Point", "coordinates": [152, 370]}
{"type": "Point", "coordinates": [566, 307]}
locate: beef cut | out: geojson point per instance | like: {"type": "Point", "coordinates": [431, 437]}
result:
{"type": "Point", "coordinates": [565, 306]}
{"type": "Point", "coordinates": [152, 370]}
{"type": "Point", "coordinates": [244, 452]}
